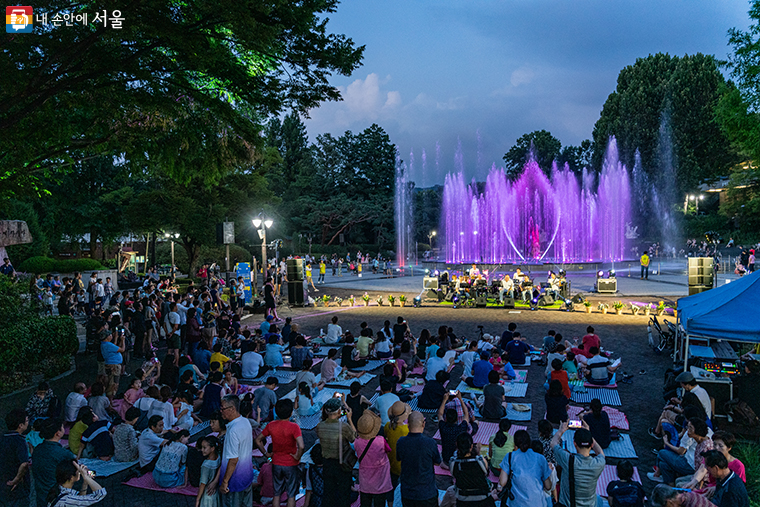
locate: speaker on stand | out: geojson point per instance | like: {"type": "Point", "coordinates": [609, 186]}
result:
{"type": "Point", "coordinates": [509, 303]}
{"type": "Point", "coordinates": [295, 293]}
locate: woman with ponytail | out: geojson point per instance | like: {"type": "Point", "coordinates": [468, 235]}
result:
{"type": "Point", "coordinates": [500, 445]}
{"type": "Point", "coordinates": [470, 470]}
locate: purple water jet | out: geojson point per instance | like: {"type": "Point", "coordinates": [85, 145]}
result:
{"type": "Point", "coordinates": [537, 218]}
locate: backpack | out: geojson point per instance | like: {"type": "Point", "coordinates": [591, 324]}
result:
{"type": "Point", "coordinates": [741, 413]}
{"type": "Point", "coordinates": [626, 494]}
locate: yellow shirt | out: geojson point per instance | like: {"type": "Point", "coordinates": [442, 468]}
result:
{"type": "Point", "coordinates": [75, 436]}
{"type": "Point", "coordinates": [220, 358]}
{"type": "Point", "coordinates": [645, 260]}
{"type": "Point", "coordinates": [322, 268]}
{"type": "Point", "coordinates": [392, 436]}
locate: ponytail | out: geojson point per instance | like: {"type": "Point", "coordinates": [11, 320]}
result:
{"type": "Point", "coordinates": [501, 435]}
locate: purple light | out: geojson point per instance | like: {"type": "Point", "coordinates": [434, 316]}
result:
{"type": "Point", "coordinates": [562, 219]}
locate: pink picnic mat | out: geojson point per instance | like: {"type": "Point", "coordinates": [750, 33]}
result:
{"type": "Point", "coordinates": [485, 431]}
{"type": "Point", "coordinates": [146, 482]}
{"type": "Point", "coordinates": [609, 474]}
{"type": "Point", "coordinates": [617, 418]}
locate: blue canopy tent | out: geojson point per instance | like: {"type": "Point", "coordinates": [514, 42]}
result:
{"type": "Point", "coordinates": [730, 312]}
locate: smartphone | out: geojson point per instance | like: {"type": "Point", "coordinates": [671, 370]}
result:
{"type": "Point", "coordinates": [574, 424]}
{"type": "Point", "coordinates": [91, 473]}
{"type": "Point", "coordinates": [155, 360]}
{"type": "Point", "coordinates": [392, 361]}
{"type": "Point", "coordinates": [338, 395]}
{"type": "Point", "coordinates": [453, 393]}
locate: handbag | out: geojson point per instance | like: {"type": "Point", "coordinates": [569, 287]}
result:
{"type": "Point", "coordinates": [347, 455]}
{"type": "Point", "coordinates": [571, 482]}
{"type": "Point", "coordinates": [506, 492]}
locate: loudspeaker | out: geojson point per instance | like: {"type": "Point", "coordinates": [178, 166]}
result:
{"type": "Point", "coordinates": [295, 293]}
{"type": "Point", "coordinates": [719, 390]}
{"type": "Point", "coordinates": [430, 282]}
{"type": "Point", "coordinates": [606, 285]}
{"type": "Point", "coordinates": [509, 303]}
{"type": "Point", "coordinates": [295, 270]}
{"type": "Point", "coordinates": [546, 300]}
{"type": "Point", "coordinates": [564, 289]}
{"type": "Point", "coordinates": [449, 297]}
{"type": "Point", "coordinates": [481, 301]}
{"type": "Point", "coordinates": [577, 299]}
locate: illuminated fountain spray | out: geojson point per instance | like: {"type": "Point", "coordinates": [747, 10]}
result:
{"type": "Point", "coordinates": [562, 218]}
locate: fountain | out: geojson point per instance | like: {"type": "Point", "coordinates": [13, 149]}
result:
{"type": "Point", "coordinates": [403, 207]}
{"type": "Point", "coordinates": [537, 218]}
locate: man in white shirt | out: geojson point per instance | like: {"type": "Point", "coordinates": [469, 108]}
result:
{"type": "Point", "coordinates": [469, 357]}
{"type": "Point", "coordinates": [507, 287]}
{"type": "Point", "coordinates": [436, 364]}
{"type": "Point", "coordinates": [252, 361]}
{"type": "Point", "coordinates": [150, 443]}
{"type": "Point", "coordinates": [385, 400]}
{"type": "Point", "coordinates": [74, 401]}
{"type": "Point", "coordinates": [236, 472]}
{"type": "Point", "coordinates": [334, 332]}
{"type": "Point", "coordinates": [689, 383]}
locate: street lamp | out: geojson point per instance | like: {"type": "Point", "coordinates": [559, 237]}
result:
{"type": "Point", "coordinates": [172, 237]}
{"type": "Point", "coordinates": [262, 223]}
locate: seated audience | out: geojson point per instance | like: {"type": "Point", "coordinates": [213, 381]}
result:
{"type": "Point", "coordinates": [556, 403]}
{"type": "Point", "coordinates": [150, 443]}
{"type": "Point", "coordinates": [74, 401]}
{"type": "Point", "coordinates": [493, 398]}
{"type": "Point", "coordinates": [600, 369]}
{"type": "Point", "coordinates": [170, 470]}
{"type": "Point", "coordinates": [125, 437]}
{"type": "Point", "coordinates": [625, 492]}
{"type": "Point", "coordinates": [97, 441]}
{"type": "Point", "coordinates": [499, 445]}
{"type": "Point", "coordinates": [598, 423]}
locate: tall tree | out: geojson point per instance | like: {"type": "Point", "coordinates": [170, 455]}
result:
{"type": "Point", "coordinates": [173, 70]}
{"type": "Point", "coordinates": [539, 144]}
{"type": "Point", "coordinates": [685, 91]}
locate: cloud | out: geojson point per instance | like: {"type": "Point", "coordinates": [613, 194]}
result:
{"type": "Point", "coordinates": [523, 75]}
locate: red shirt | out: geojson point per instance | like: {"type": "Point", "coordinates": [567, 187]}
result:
{"type": "Point", "coordinates": [284, 435]}
{"type": "Point", "coordinates": [591, 340]}
{"type": "Point", "coordinates": [561, 375]}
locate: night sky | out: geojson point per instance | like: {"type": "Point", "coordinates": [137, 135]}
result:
{"type": "Point", "coordinates": [483, 73]}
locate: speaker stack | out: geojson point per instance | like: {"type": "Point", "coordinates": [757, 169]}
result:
{"type": "Point", "coordinates": [295, 282]}
{"type": "Point", "coordinates": [546, 300]}
{"type": "Point", "coordinates": [481, 301]}
{"type": "Point", "coordinates": [509, 303]}
{"type": "Point", "coordinates": [701, 276]}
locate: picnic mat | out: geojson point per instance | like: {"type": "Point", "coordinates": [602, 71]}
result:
{"type": "Point", "coordinates": [372, 364]}
{"type": "Point", "coordinates": [106, 468]}
{"type": "Point", "coordinates": [413, 405]}
{"type": "Point", "coordinates": [363, 380]}
{"type": "Point", "coordinates": [611, 385]}
{"type": "Point", "coordinates": [511, 389]}
{"type": "Point", "coordinates": [315, 361]}
{"type": "Point", "coordinates": [146, 482]}
{"type": "Point", "coordinates": [485, 431]}
{"type": "Point", "coordinates": [285, 377]}
{"type": "Point", "coordinates": [522, 376]}
{"type": "Point", "coordinates": [617, 418]}
{"type": "Point", "coordinates": [417, 371]}
{"type": "Point", "coordinates": [622, 448]}
{"type": "Point", "coordinates": [199, 427]}
{"type": "Point", "coordinates": [514, 415]}
{"type": "Point", "coordinates": [606, 396]}
{"type": "Point", "coordinates": [526, 363]}
{"type": "Point", "coordinates": [609, 474]}
{"type": "Point", "coordinates": [415, 388]}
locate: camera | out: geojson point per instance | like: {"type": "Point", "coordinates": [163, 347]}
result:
{"type": "Point", "coordinates": [453, 393]}
{"type": "Point", "coordinates": [574, 424]}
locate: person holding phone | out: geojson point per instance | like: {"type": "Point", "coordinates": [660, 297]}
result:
{"type": "Point", "coordinates": [585, 470]}
{"type": "Point", "coordinates": [67, 473]}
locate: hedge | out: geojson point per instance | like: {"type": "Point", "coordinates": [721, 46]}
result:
{"type": "Point", "coordinates": [41, 265]}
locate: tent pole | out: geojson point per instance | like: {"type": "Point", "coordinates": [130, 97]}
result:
{"type": "Point", "coordinates": [686, 354]}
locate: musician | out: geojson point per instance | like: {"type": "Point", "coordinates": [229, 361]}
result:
{"type": "Point", "coordinates": [553, 286]}
{"type": "Point", "coordinates": [526, 288]}
{"type": "Point", "coordinates": [474, 271]}
{"type": "Point", "coordinates": [507, 287]}
{"type": "Point", "coordinates": [518, 276]}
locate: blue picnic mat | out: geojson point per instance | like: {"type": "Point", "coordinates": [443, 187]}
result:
{"type": "Point", "coordinates": [606, 396]}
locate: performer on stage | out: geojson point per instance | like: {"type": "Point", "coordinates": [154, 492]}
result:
{"type": "Point", "coordinates": [474, 271]}
{"type": "Point", "coordinates": [553, 286]}
{"type": "Point", "coordinates": [507, 287]}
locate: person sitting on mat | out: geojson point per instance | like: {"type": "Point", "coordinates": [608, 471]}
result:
{"type": "Point", "coordinates": [600, 369]}
{"type": "Point", "coordinates": [480, 370]}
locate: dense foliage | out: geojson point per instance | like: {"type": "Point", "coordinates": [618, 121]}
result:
{"type": "Point", "coordinates": [545, 149]}
{"type": "Point", "coordinates": [180, 87]}
{"type": "Point", "coordinates": [39, 265]}
{"type": "Point", "coordinates": [29, 342]}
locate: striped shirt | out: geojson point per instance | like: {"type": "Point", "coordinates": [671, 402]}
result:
{"type": "Point", "coordinates": [72, 498]}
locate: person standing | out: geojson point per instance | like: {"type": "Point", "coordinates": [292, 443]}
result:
{"type": "Point", "coordinates": [14, 460]}
{"type": "Point", "coordinates": [375, 485]}
{"type": "Point", "coordinates": [112, 348]}
{"type": "Point", "coordinates": [287, 448]}
{"type": "Point", "coordinates": [645, 266]}
{"type": "Point", "coordinates": [322, 271]}
{"type": "Point", "coordinates": [7, 268]}
{"type": "Point", "coordinates": [336, 438]}
{"type": "Point", "coordinates": [418, 455]}
{"type": "Point", "coordinates": [236, 473]}
{"type": "Point", "coordinates": [583, 468]}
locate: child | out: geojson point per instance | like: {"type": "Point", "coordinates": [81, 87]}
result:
{"type": "Point", "coordinates": [305, 405]}
{"type": "Point", "coordinates": [496, 360]}
{"type": "Point", "coordinates": [500, 444]}
{"type": "Point", "coordinates": [75, 433]}
{"type": "Point", "coordinates": [315, 483]}
{"type": "Point", "coordinates": [570, 366]}
{"type": "Point", "coordinates": [99, 403]}
{"type": "Point", "coordinates": [625, 492]}
{"type": "Point", "coordinates": [230, 383]}
{"type": "Point", "coordinates": [97, 441]}
{"type": "Point", "coordinates": [184, 409]}
{"type": "Point", "coordinates": [265, 480]}
{"type": "Point", "coordinates": [47, 300]}
{"type": "Point", "coordinates": [131, 396]}
{"type": "Point", "coordinates": [545, 434]}
{"type": "Point", "coordinates": [561, 375]}
{"type": "Point", "coordinates": [170, 470]}
{"type": "Point", "coordinates": [164, 408]}
{"type": "Point", "coordinates": [210, 449]}
{"type": "Point", "coordinates": [80, 302]}
{"type": "Point", "coordinates": [212, 394]}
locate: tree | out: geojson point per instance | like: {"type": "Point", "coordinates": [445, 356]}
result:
{"type": "Point", "coordinates": [539, 144]}
{"type": "Point", "coordinates": [179, 75]}
{"type": "Point", "coordinates": [576, 157]}
{"type": "Point", "coordinates": [745, 60]}
{"type": "Point", "coordinates": [684, 91]}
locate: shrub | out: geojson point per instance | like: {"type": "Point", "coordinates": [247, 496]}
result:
{"type": "Point", "coordinates": [41, 265]}
{"type": "Point", "coordinates": [29, 342]}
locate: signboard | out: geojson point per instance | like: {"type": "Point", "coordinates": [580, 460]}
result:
{"type": "Point", "coordinates": [244, 269]}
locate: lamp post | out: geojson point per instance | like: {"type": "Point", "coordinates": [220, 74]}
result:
{"type": "Point", "coordinates": [431, 235]}
{"type": "Point", "coordinates": [172, 237]}
{"type": "Point", "coordinates": [261, 223]}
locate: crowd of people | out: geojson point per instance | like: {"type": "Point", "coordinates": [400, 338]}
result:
{"type": "Point", "coordinates": [250, 446]}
